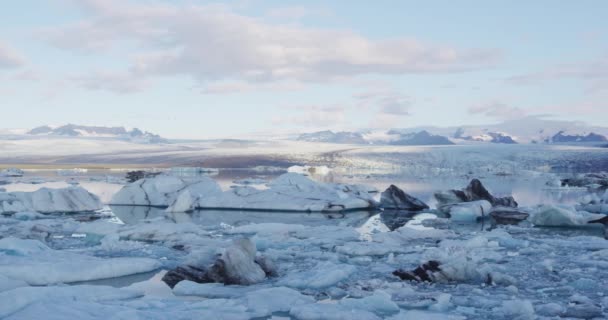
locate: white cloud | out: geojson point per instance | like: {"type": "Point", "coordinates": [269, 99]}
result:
{"type": "Point", "coordinates": [291, 13]}
{"type": "Point", "coordinates": [586, 70]}
{"type": "Point", "coordinates": [230, 87]}
{"type": "Point", "coordinates": [211, 42]}
{"type": "Point", "coordinates": [498, 110]}
{"type": "Point", "coordinates": [387, 101]}
{"type": "Point", "coordinates": [9, 57]}
{"type": "Point", "coordinates": [316, 116]}
{"type": "Point", "coordinates": [111, 81]}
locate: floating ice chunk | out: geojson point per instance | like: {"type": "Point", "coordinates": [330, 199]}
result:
{"type": "Point", "coordinates": [318, 170]}
{"type": "Point", "coordinates": [46, 200]}
{"type": "Point", "coordinates": [323, 275]}
{"type": "Point", "coordinates": [424, 315]}
{"type": "Point", "coordinates": [469, 211]}
{"type": "Point", "coordinates": [17, 301]}
{"type": "Point", "coordinates": [549, 309]}
{"type": "Point", "coordinates": [35, 263]}
{"type": "Point", "coordinates": [518, 309]}
{"type": "Point", "coordinates": [29, 215]}
{"type": "Point", "coordinates": [560, 216]}
{"type": "Point", "coordinates": [210, 290]}
{"type": "Point", "coordinates": [11, 172]}
{"type": "Point", "coordinates": [379, 303]}
{"type": "Point", "coordinates": [265, 302]}
{"type": "Point", "coordinates": [153, 287]}
{"type": "Point", "coordinates": [583, 308]}
{"type": "Point", "coordinates": [321, 311]}
{"type": "Point", "coordinates": [369, 249]}
{"type": "Point", "coordinates": [7, 283]}
{"type": "Point", "coordinates": [239, 263]}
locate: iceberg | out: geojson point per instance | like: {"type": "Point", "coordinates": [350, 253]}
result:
{"type": "Point", "coordinates": [469, 211]}
{"type": "Point", "coordinates": [237, 265]}
{"type": "Point", "coordinates": [561, 216]}
{"type": "Point", "coordinates": [288, 192]}
{"type": "Point", "coordinates": [163, 191]}
{"type": "Point", "coordinates": [46, 200]}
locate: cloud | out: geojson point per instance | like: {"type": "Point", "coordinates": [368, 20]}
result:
{"type": "Point", "coordinates": [290, 13]}
{"type": "Point", "coordinates": [111, 81]}
{"type": "Point", "coordinates": [387, 101]}
{"type": "Point", "coordinates": [586, 70]}
{"type": "Point", "coordinates": [211, 43]}
{"type": "Point", "coordinates": [232, 87]}
{"type": "Point", "coordinates": [317, 116]}
{"type": "Point", "coordinates": [498, 110]}
{"type": "Point", "coordinates": [10, 58]}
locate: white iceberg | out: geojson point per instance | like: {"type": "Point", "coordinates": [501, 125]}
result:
{"type": "Point", "coordinates": [561, 216]}
{"type": "Point", "coordinates": [469, 211]}
{"type": "Point", "coordinates": [323, 275]}
{"type": "Point", "coordinates": [163, 191]}
{"type": "Point", "coordinates": [288, 192]}
{"type": "Point", "coordinates": [46, 200]}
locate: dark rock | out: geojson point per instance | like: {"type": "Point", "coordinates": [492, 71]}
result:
{"type": "Point", "coordinates": [603, 221]}
{"type": "Point", "coordinates": [476, 191]}
{"type": "Point", "coordinates": [508, 215]}
{"type": "Point", "coordinates": [396, 199]}
{"type": "Point", "coordinates": [422, 273]}
{"type": "Point", "coordinates": [395, 219]}
{"type": "Point", "coordinates": [450, 197]}
{"type": "Point", "coordinates": [473, 192]}
{"type": "Point", "coordinates": [186, 272]}
{"type": "Point", "coordinates": [505, 202]}
{"type": "Point", "coordinates": [587, 179]}
{"type": "Point", "coordinates": [133, 176]}
{"type": "Point", "coordinates": [267, 265]}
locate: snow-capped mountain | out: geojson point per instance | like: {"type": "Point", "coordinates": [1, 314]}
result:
{"type": "Point", "coordinates": [392, 137]}
{"type": "Point", "coordinates": [562, 137]}
{"type": "Point", "coordinates": [492, 137]}
{"type": "Point", "coordinates": [420, 138]}
{"type": "Point", "coordinates": [532, 129]}
{"type": "Point", "coordinates": [72, 130]}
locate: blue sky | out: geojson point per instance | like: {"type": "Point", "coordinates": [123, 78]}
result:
{"type": "Point", "coordinates": [197, 69]}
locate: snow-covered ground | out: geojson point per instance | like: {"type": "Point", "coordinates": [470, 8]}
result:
{"type": "Point", "coordinates": [334, 265]}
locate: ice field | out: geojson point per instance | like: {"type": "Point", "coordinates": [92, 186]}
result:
{"type": "Point", "coordinates": [311, 242]}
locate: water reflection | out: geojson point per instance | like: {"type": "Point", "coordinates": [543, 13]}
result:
{"type": "Point", "coordinates": [215, 218]}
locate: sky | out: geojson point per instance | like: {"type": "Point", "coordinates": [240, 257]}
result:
{"type": "Point", "coordinates": [202, 69]}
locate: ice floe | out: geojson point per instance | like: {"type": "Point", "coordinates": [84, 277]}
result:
{"type": "Point", "coordinates": [36, 264]}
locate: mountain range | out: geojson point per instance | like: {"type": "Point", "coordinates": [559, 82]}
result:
{"type": "Point", "coordinates": [533, 129]}
{"type": "Point", "coordinates": [73, 130]}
